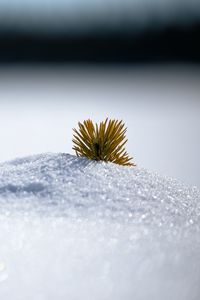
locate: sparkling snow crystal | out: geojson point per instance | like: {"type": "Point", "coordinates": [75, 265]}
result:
{"type": "Point", "coordinates": [71, 228]}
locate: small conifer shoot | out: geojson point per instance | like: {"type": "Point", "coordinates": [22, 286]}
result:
{"type": "Point", "coordinates": [105, 141]}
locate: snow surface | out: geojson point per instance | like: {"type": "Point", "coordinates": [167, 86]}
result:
{"type": "Point", "coordinates": [71, 228]}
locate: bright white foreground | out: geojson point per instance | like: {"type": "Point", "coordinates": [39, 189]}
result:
{"type": "Point", "coordinates": [77, 229]}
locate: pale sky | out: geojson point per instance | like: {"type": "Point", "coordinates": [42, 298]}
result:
{"type": "Point", "coordinates": [27, 14]}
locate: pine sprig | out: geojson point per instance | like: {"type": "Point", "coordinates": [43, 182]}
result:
{"type": "Point", "coordinates": [105, 141]}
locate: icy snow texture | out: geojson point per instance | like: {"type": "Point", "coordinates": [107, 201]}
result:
{"type": "Point", "coordinates": [74, 229]}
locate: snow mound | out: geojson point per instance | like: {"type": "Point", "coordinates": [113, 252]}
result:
{"type": "Point", "coordinates": [71, 228]}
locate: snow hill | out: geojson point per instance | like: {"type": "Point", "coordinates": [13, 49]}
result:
{"type": "Point", "coordinates": [71, 228]}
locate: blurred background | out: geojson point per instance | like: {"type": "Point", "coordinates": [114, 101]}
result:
{"type": "Point", "coordinates": [138, 60]}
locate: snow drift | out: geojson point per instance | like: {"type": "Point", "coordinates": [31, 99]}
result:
{"type": "Point", "coordinates": [71, 228]}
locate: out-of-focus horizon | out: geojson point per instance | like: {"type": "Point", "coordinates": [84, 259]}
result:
{"type": "Point", "coordinates": [99, 31]}
{"type": "Point", "coordinates": [65, 61]}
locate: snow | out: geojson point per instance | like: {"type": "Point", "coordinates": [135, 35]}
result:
{"type": "Point", "coordinates": [39, 106]}
{"type": "Point", "coordinates": [71, 228]}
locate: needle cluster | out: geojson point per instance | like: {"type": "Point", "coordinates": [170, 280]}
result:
{"type": "Point", "coordinates": [105, 141]}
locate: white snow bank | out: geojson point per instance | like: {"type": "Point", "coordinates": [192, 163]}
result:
{"type": "Point", "coordinates": [71, 228]}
